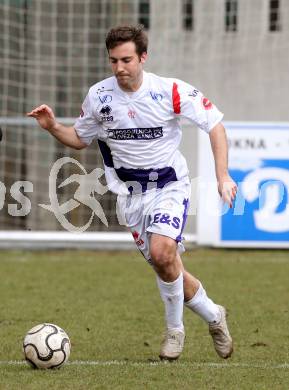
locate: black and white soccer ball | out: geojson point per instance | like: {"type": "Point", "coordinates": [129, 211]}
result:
{"type": "Point", "coordinates": [46, 346]}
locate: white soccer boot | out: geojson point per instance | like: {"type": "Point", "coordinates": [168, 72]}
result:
{"type": "Point", "coordinates": [222, 339]}
{"type": "Point", "coordinates": [172, 344]}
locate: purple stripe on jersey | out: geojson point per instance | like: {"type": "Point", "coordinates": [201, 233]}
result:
{"type": "Point", "coordinates": [106, 154]}
{"type": "Point", "coordinates": [185, 214]}
{"type": "Point", "coordinates": [160, 176]}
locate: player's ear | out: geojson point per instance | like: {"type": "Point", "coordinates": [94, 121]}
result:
{"type": "Point", "coordinates": [143, 57]}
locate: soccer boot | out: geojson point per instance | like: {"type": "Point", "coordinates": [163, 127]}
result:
{"type": "Point", "coordinates": [172, 344]}
{"type": "Point", "coordinates": [222, 339]}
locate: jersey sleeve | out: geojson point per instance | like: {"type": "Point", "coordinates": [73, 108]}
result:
{"type": "Point", "coordinates": [190, 103]}
{"type": "Point", "coordinates": [87, 125]}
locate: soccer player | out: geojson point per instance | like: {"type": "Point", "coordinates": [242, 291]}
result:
{"type": "Point", "coordinates": [135, 117]}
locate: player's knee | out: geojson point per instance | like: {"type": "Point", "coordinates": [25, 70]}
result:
{"type": "Point", "coordinates": [163, 252]}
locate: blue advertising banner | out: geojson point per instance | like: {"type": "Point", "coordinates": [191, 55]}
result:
{"type": "Point", "coordinates": [259, 163]}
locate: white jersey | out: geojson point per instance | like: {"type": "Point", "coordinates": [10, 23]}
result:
{"type": "Point", "coordinates": [139, 133]}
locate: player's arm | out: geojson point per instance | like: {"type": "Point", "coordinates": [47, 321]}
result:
{"type": "Point", "coordinates": [65, 134]}
{"type": "Point", "coordinates": [226, 186]}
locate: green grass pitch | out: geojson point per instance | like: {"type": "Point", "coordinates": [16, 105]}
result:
{"type": "Point", "coordinates": [109, 305]}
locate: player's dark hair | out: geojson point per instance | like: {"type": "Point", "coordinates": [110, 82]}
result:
{"type": "Point", "coordinates": [128, 33]}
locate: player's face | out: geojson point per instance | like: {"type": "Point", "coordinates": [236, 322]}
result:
{"type": "Point", "coordinates": [127, 66]}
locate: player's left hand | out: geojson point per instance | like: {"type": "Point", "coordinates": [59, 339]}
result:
{"type": "Point", "coordinates": [227, 189]}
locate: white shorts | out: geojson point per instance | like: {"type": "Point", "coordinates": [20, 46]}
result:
{"type": "Point", "coordinates": [163, 211]}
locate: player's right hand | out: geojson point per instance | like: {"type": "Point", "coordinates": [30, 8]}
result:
{"type": "Point", "coordinates": [44, 115]}
{"type": "Point", "coordinates": [227, 189]}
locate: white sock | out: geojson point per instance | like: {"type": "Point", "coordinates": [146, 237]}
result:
{"type": "Point", "coordinates": [172, 294]}
{"type": "Point", "coordinates": [204, 306]}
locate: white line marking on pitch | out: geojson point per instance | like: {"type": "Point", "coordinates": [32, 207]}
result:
{"type": "Point", "coordinates": [157, 363]}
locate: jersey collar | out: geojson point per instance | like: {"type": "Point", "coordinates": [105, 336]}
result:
{"type": "Point", "coordinates": [136, 94]}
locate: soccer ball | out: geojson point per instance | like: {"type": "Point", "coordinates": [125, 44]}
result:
{"type": "Point", "coordinates": [46, 346]}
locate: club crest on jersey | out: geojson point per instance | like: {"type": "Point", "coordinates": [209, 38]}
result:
{"type": "Point", "coordinates": [105, 114]}
{"type": "Point", "coordinates": [131, 114]}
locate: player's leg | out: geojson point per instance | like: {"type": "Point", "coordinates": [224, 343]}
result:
{"type": "Point", "coordinates": [163, 252]}
{"type": "Point", "coordinates": [167, 219]}
{"type": "Point", "coordinates": [196, 299]}
{"type": "Point", "coordinates": [160, 252]}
